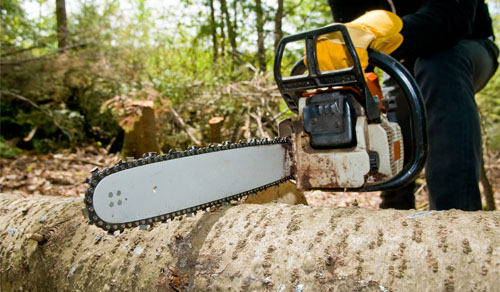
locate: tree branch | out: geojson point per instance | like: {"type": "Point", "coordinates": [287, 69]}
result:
{"type": "Point", "coordinates": [20, 51]}
{"type": "Point", "coordinates": [182, 124]}
{"type": "Point", "coordinates": [46, 56]}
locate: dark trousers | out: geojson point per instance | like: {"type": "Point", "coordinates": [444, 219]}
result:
{"type": "Point", "coordinates": [449, 80]}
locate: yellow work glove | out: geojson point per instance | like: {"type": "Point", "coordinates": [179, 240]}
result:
{"type": "Point", "coordinates": [377, 29]}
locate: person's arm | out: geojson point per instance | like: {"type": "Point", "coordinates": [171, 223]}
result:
{"type": "Point", "coordinates": [436, 25]}
{"type": "Point", "coordinates": [376, 29]}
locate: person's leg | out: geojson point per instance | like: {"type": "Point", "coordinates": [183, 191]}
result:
{"type": "Point", "coordinates": [448, 80]}
{"type": "Point", "coordinates": [400, 199]}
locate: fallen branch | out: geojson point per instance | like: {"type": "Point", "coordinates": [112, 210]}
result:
{"type": "Point", "coordinates": [79, 160]}
{"type": "Point", "coordinates": [487, 189]}
{"type": "Point", "coordinates": [244, 131]}
{"type": "Point", "coordinates": [485, 182]}
{"type": "Point", "coordinates": [39, 58]}
{"type": "Point", "coordinates": [179, 121]}
{"type": "Point", "coordinates": [42, 109]}
{"type": "Point", "coordinates": [258, 118]}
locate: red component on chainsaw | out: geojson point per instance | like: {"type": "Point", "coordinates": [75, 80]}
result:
{"type": "Point", "coordinates": [373, 84]}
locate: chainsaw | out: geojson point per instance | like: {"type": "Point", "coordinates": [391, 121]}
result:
{"type": "Point", "coordinates": [345, 136]}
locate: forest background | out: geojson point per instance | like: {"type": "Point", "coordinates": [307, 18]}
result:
{"type": "Point", "coordinates": [71, 69]}
{"type": "Point", "coordinates": [76, 72]}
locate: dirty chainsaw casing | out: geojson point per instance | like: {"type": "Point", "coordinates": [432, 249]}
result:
{"type": "Point", "coordinates": [334, 147]}
{"type": "Point", "coordinates": [344, 137]}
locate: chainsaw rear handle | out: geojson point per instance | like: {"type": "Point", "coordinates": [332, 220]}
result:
{"type": "Point", "coordinates": [418, 120]}
{"type": "Point", "coordinates": [292, 87]}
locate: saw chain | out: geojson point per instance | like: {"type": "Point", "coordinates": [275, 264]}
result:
{"type": "Point", "coordinates": [98, 175]}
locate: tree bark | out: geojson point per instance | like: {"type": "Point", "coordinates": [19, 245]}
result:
{"type": "Point", "coordinates": [261, 50]}
{"type": "Point", "coordinates": [213, 30]}
{"type": "Point", "coordinates": [487, 188]}
{"type": "Point", "coordinates": [278, 31]}
{"type": "Point", "coordinates": [62, 25]}
{"type": "Point", "coordinates": [235, 16]}
{"type": "Point", "coordinates": [215, 124]}
{"type": "Point", "coordinates": [230, 31]}
{"type": "Point", "coordinates": [222, 36]}
{"type": "Point", "coordinates": [48, 246]}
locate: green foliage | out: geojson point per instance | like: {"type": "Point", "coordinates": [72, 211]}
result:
{"type": "Point", "coordinates": [61, 96]}
{"type": "Point", "coordinates": [287, 113]}
{"type": "Point", "coordinates": [489, 107]}
{"type": "Point", "coordinates": [119, 48]}
{"type": "Point", "coordinates": [489, 102]}
{"type": "Point", "coordinates": [306, 15]}
{"type": "Point", "coordinates": [8, 151]}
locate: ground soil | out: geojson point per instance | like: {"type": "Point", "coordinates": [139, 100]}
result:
{"type": "Point", "coordinates": [59, 174]}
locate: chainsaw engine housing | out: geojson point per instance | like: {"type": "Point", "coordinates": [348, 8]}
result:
{"type": "Point", "coordinates": [329, 119]}
{"type": "Point", "coordinates": [351, 153]}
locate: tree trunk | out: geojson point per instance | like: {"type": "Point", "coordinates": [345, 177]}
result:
{"type": "Point", "coordinates": [278, 31]}
{"type": "Point", "coordinates": [62, 25]}
{"type": "Point", "coordinates": [222, 36]}
{"type": "Point", "coordinates": [213, 30]}
{"type": "Point", "coordinates": [235, 16]}
{"type": "Point", "coordinates": [142, 139]}
{"type": "Point", "coordinates": [249, 247]}
{"type": "Point", "coordinates": [230, 31]}
{"type": "Point", "coordinates": [487, 188]}
{"type": "Point", "coordinates": [261, 50]}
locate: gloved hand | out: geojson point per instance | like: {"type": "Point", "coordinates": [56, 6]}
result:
{"type": "Point", "coordinates": [377, 29]}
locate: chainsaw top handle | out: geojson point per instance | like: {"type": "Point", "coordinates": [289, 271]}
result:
{"type": "Point", "coordinates": [292, 88]}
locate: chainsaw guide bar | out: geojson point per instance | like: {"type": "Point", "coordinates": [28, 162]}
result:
{"type": "Point", "coordinates": [148, 204]}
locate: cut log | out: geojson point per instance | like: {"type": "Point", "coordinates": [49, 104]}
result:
{"type": "Point", "coordinates": [249, 247]}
